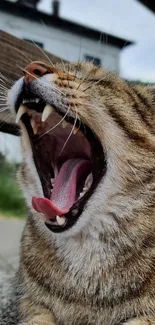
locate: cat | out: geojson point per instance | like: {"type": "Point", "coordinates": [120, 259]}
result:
{"type": "Point", "coordinates": [88, 248]}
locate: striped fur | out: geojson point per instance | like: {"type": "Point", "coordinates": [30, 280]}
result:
{"type": "Point", "coordinates": [102, 271]}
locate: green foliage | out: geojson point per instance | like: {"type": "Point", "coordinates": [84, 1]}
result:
{"type": "Point", "coordinates": [138, 82]}
{"type": "Point", "coordinates": [12, 202]}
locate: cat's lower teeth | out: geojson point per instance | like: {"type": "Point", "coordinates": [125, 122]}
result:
{"type": "Point", "coordinates": [52, 181]}
{"type": "Point", "coordinates": [52, 222]}
{"type": "Point", "coordinates": [61, 220]}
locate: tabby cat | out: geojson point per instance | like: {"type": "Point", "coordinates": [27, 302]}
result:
{"type": "Point", "coordinates": [88, 176]}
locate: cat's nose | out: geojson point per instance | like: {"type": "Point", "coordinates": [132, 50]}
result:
{"type": "Point", "coordinates": [35, 70]}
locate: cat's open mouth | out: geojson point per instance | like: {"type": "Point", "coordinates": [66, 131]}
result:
{"type": "Point", "coordinates": [69, 160]}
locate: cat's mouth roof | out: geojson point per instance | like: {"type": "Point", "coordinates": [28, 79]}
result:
{"type": "Point", "coordinates": [69, 160]}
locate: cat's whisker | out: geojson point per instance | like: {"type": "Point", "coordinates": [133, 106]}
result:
{"type": "Point", "coordinates": [3, 110]}
{"type": "Point", "coordinates": [22, 53]}
{"type": "Point", "coordinates": [78, 62]}
{"type": "Point", "coordinates": [3, 88]}
{"type": "Point", "coordinates": [5, 120]}
{"type": "Point", "coordinates": [3, 83]}
{"type": "Point", "coordinates": [43, 52]}
{"type": "Point", "coordinates": [63, 65]}
{"type": "Point", "coordinates": [94, 83]}
{"type": "Point", "coordinates": [87, 74]}
{"type": "Point", "coordinates": [137, 177]}
{"type": "Point", "coordinates": [62, 62]}
{"type": "Point", "coordinates": [4, 78]}
{"type": "Point", "coordinates": [3, 97]}
{"type": "Point", "coordinates": [72, 130]}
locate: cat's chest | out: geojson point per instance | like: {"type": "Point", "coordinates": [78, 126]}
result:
{"type": "Point", "coordinates": [80, 283]}
{"type": "Point", "coordinates": [83, 314]}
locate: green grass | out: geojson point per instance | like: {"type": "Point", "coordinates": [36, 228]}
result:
{"type": "Point", "coordinates": [12, 203]}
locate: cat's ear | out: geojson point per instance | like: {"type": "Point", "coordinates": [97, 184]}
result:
{"type": "Point", "coordinates": [7, 124]}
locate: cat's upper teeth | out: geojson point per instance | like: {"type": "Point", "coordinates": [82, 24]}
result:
{"type": "Point", "coordinates": [46, 112]}
{"type": "Point", "coordinates": [48, 109]}
{"type": "Point", "coordinates": [31, 100]}
{"type": "Point", "coordinates": [21, 111]}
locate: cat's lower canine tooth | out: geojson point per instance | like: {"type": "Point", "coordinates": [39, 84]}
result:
{"type": "Point", "coordinates": [75, 130]}
{"type": "Point", "coordinates": [64, 124]}
{"type": "Point", "coordinates": [35, 130]}
{"type": "Point", "coordinates": [21, 111]}
{"type": "Point", "coordinates": [60, 220]}
{"type": "Point", "coordinates": [34, 126]}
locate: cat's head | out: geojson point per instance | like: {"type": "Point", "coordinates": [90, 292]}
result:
{"type": "Point", "coordinates": [88, 146]}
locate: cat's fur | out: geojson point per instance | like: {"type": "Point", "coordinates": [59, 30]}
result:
{"type": "Point", "coordinates": [102, 270]}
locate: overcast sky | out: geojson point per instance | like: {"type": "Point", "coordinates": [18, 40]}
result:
{"type": "Point", "coordinates": [123, 18]}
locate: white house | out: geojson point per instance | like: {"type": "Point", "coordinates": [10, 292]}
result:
{"type": "Point", "coordinates": [61, 37]}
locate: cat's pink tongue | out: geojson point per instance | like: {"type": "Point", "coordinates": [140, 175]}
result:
{"type": "Point", "coordinates": [64, 191]}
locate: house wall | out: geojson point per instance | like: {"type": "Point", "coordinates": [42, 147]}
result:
{"type": "Point", "coordinates": [60, 42]}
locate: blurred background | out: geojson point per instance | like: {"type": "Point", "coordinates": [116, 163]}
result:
{"type": "Point", "coordinates": [116, 34]}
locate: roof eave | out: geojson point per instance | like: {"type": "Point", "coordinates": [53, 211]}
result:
{"type": "Point", "coordinates": [60, 23]}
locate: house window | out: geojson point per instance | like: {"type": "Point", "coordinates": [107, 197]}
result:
{"type": "Point", "coordinates": [41, 45]}
{"type": "Point", "coordinates": [93, 59]}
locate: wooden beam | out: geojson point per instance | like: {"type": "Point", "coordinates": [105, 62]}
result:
{"type": "Point", "coordinates": [10, 128]}
{"type": "Point", "coordinates": [16, 54]}
{"type": "Point", "coordinates": [149, 4]}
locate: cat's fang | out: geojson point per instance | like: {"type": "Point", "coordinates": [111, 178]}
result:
{"type": "Point", "coordinates": [21, 111]}
{"type": "Point", "coordinates": [46, 112]}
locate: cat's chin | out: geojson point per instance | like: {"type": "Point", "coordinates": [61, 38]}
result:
{"type": "Point", "coordinates": [68, 156]}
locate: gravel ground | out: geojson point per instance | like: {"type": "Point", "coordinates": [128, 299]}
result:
{"type": "Point", "coordinates": [10, 233]}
